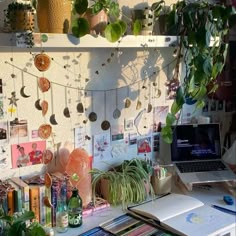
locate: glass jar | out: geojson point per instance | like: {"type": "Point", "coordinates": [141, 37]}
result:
{"type": "Point", "coordinates": [75, 209]}
{"type": "Point", "coordinates": [61, 216]}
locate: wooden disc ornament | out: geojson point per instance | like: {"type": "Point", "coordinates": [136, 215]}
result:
{"type": "Point", "coordinates": [44, 84]}
{"type": "Point", "coordinates": [44, 131]}
{"type": "Point", "coordinates": [42, 61]}
{"type": "Point", "coordinates": [44, 106]}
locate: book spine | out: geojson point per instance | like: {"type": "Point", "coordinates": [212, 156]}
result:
{"type": "Point", "coordinates": [25, 192]}
{"type": "Point", "coordinates": [10, 202]}
{"type": "Point", "coordinates": [48, 209]}
{"type": "Point", "coordinates": [34, 201]}
{"type": "Point", "coordinates": [18, 200]}
{"type": "Point", "coordinates": [42, 207]}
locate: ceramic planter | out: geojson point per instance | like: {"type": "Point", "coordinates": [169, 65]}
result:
{"type": "Point", "coordinates": [54, 16]}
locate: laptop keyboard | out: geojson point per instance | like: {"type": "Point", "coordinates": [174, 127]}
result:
{"type": "Point", "coordinates": [200, 166]}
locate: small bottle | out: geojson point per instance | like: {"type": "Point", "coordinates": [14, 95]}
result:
{"type": "Point", "coordinates": [61, 215]}
{"type": "Point", "coordinates": [75, 209]}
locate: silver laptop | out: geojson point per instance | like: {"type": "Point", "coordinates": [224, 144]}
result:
{"type": "Point", "coordinates": [196, 154]}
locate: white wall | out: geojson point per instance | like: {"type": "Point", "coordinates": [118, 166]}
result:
{"type": "Point", "coordinates": [125, 71]}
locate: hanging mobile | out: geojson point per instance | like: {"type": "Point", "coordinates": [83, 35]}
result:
{"type": "Point", "coordinates": [139, 104]}
{"type": "Point", "coordinates": [116, 113]}
{"type": "Point", "coordinates": [22, 92]}
{"type": "Point", "coordinates": [92, 115]}
{"type": "Point", "coordinates": [149, 108]}
{"type": "Point", "coordinates": [37, 102]}
{"type": "Point", "coordinates": [127, 100]}
{"type": "Point", "coordinates": [105, 124]}
{"type": "Point", "coordinates": [66, 111]}
{"type": "Point", "coordinates": [52, 118]}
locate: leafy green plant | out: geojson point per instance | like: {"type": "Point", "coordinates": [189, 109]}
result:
{"type": "Point", "coordinates": [113, 31]}
{"type": "Point", "coordinates": [17, 225]}
{"type": "Point", "coordinates": [126, 182]}
{"type": "Point", "coordinates": [196, 23]}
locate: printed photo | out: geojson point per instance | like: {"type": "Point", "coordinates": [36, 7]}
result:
{"type": "Point", "coordinates": [26, 154]}
{"type": "Point", "coordinates": [129, 124]}
{"type": "Point", "coordinates": [3, 132]}
{"type": "Point", "coordinates": [132, 138]}
{"type": "Point", "coordinates": [117, 133]}
{"type": "Point", "coordinates": [19, 131]}
{"type": "Point", "coordinates": [144, 145]}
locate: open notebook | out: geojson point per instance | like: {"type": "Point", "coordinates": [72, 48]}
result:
{"type": "Point", "coordinates": [186, 215]}
{"type": "Point", "coordinates": [196, 153]}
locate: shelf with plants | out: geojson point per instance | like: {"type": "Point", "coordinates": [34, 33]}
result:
{"type": "Point", "coordinates": [88, 41]}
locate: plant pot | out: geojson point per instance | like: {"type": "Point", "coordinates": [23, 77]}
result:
{"type": "Point", "coordinates": [105, 192]}
{"type": "Point", "coordinates": [21, 20]}
{"type": "Point", "coordinates": [54, 16]}
{"type": "Point", "coordinates": [97, 22]}
{"type": "Point", "coordinates": [146, 17]}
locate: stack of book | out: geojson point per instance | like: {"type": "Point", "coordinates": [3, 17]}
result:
{"type": "Point", "coordinates": [26, 197]}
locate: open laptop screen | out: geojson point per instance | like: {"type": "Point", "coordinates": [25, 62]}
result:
{"type": "Point", "coordinates": [195, 142]}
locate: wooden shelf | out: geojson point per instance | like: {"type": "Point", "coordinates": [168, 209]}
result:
{"type": "Point", "coordinates": [69, 41]}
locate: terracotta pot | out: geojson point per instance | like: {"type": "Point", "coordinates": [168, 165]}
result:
{"type": "Point", "coordinates": [97, 22]}
{"type": "Point", "coordinates": [22, 20]}
{"type": "Point", "coordinates": [54, 16]}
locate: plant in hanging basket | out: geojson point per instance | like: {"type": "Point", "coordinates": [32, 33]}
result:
{"type": "Point", "coordinates": [112, 31]}
{"type": "Point", "coordinates": [196, 24]}
{"type": "Point", "coordinates": [126, 183]}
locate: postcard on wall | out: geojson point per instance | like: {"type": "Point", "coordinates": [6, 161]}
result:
{"type": "Point", "coordinates": [129, 124]}
{"type": "Point", "coordinates": [144, 145]}
{"type": "Point", "coordinates": [133, 138]}
{"type": "Point", "coordinates": [117, 133]}
{"type": "Point", "coordinates": [26, 154]}
{"type": "Point", "coordinates": [19, 131]}
{"type": "Point", "coordinates": [3, 132]}
{"type": "Point", "coordinates": [82, 139]}
{"type": "Point", "coordinates": [101, 146]}
{"type": "Point", "coordinates": [5, 161]}
{"type": "Point", "coordinates": [156, 142]}
{"type": "Point", "coordinates": [159, 117]}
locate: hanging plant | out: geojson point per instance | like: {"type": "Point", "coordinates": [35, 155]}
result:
{"type": "Point", "coordinates": [196, 24]}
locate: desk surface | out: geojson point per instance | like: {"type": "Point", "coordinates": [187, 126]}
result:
{"type": "Point", "coordinates": [207, 193]}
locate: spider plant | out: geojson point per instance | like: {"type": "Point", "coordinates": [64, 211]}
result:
{"type": "Point", "coordinates": [125, 183]}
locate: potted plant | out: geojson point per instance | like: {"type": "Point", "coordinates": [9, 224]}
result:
{"type": "Point", "coordinates": [17, 225]}
{"type": "Point", "coordinates": [112, 31]}
{"type": "Point", "coordinates": [128, 182]}
{"type": "Point", "coordinates": [196, 23]}
{"type": "Point", "coordinates": [19, 16]}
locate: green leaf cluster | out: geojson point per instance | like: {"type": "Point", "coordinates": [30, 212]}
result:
{"type": "Point", "coordinates": [114, 30]}
{"type": "Point", "coordinates": [125, 181]}
{"type": "Point", "coordinates": [17, 225]}
{"type": "Point", "coordinates": [198, 24]}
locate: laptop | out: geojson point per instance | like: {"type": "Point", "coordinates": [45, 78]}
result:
{"type": "Point", "coordinates": [196, 154]}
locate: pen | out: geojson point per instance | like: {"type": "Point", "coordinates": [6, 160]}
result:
{"type": "Point", "coordinates": [224, 209]}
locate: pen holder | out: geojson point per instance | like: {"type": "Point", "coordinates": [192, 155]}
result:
{"type": "Point", "coordinates": [161, 185]}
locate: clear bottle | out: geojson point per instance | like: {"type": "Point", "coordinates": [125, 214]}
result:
{"type": "Point", "coordinates": [75, 209]}
{"type": "Point", "coordinates": [61, 215]}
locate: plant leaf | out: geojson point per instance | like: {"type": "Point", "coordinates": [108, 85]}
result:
{"type": "Point", "coordinates": [167, 134]}
{"type": "Point", "coordinates": [113, 32]}
{"type": "Point", "coordinates": [80, 27]}
{"type": "Point", "coordinates": [81, 6]}
{"type": "Point", "coordinates": [137, 27]}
